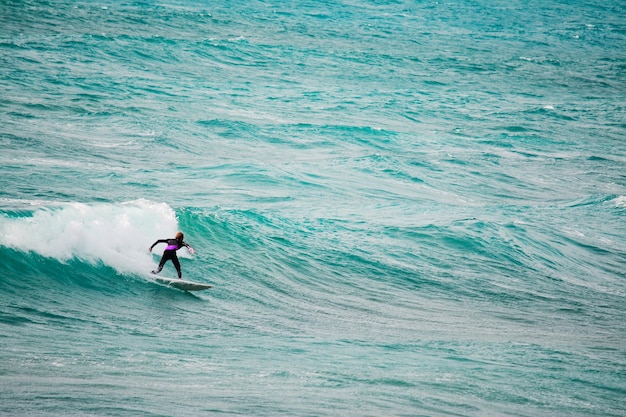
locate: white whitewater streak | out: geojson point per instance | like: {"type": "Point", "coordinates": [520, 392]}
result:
{"type": "Point", "coordinates": [117, 235]}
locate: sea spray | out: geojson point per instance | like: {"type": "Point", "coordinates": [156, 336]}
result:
{"type": "Point", "coordinates": [117, 235]}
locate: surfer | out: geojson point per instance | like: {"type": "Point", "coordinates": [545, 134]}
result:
{"type": "Point", "coordinates": [170, 252]}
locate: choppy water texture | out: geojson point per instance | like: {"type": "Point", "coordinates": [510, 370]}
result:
{"type": "Point", "coordinates": [405, 208]}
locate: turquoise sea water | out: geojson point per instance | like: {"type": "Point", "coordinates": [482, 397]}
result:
{"type": "Point", "coordinates": [407, 208]}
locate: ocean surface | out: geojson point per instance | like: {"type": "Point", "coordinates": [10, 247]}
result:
{"type": "Point", "coordinates": [406, 208]}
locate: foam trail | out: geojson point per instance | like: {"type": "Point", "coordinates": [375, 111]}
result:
{"type": "Point", "coordinates": [117, 235]}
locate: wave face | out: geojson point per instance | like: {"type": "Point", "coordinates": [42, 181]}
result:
{"type": "Point", "coordinates": [404, 209]}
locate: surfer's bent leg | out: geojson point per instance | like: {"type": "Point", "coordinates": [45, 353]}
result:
{"type": "Point", "coordinates": [176, 263]}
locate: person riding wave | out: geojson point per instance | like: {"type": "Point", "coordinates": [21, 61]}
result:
{"type": "Point", "coordinates": [170, 252]}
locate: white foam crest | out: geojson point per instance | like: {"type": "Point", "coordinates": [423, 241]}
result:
{"type": "Point", "coordinates": [117, 235]}
{"type": "Point", "coordinates": [620, 201]}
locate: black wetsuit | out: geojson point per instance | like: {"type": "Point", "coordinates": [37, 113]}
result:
{"type": "Point", "coordinates": [170, 254]}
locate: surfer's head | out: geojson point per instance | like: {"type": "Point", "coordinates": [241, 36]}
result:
{"type": "Point", "coordinates": [179, 236]}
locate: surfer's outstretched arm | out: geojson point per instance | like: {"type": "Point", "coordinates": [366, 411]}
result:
{"type": "Point", "coordinates": [189, 248]}
{"type": "Point", "coordinates": [156, 243]}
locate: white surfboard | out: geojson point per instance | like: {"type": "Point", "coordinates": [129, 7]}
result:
{"type": "Point", "coordinates": [181, 284]}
